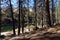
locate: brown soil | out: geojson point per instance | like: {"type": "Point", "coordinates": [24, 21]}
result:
{"type": "Point", "coordinates": [45, 34]}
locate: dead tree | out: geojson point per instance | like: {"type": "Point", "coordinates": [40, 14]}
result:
{"type": "Point", "coordinates": [12, 18]}
{"type": "Point", "coordinates": [48, 19]}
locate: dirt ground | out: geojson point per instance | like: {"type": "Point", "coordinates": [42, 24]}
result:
{"type": "Point", "coordinates": [52, 33]}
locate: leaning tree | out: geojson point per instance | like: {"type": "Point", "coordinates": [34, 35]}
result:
{"type": "Point", "coordinates": [11, 8]}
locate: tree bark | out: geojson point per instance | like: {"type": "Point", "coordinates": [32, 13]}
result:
{"type": "Point", "coordinates": [35, 14]}
{"type": "Point", "coordinates": [53, 14]}
{"type": "Point", "coordinates": [0, 17]}
{"type": "Point", "coordinates": [19, 17]}
{"type": "Point", "coordinates": [22, 15]}
{"type": "Point", "coordinates": [48, 19]}
{"type": "Point", "coordinates": [12, 18]}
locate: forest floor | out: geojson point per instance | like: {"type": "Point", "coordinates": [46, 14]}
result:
{"type": "Point", "coordinates": [52, 33]}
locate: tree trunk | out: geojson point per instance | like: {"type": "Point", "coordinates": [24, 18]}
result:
{"type": "Point", "coordinates": [53, 14]}
{"type": "Point", "coordinates": [22, 15]}
{"type": "Point", "coordinates": [35, 14]}
{"type": "Point", "coordinates": [0, 17]}
{"type": "Point", "coordinates": [23, 21]}
{"type": "Point", "coordinates": [12, 18]}
{"type": "Point", "coordinates": [48, 19]}
{"type": "Point", "coordinates": [19, 17]}
{"type": "Point", "coordinates": [28, 14]}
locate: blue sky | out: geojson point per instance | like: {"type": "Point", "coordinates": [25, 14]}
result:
{"type": "Point", "coordinates": [55, 3]}
{"type": "Point", "coordinates": [14, 2]}
{"type": "Point", "coordinates": [31, 3]}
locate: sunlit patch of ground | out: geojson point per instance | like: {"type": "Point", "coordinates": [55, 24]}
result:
{"type": "Point", "coordinates": [26, 29]}
{"type": "Point", "coordinates": [46, 34]}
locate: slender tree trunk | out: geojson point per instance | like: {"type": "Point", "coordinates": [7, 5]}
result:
{"type": "Point", "coordinates": [12, 18]}
{"type": "Point", "coordinates": [19, 17]}
{"type": "Point", "coordinates": [23, 21]}
{"type": "Point", "coordinates": [0, 17]}
{"type": "Point", "coordinates": [48, 19]}
{"type": "Point", "coordinates": [28, 14]}
{"type": "Point", "coordinates": [53, 14]}
{"type": "Point", "coordinates": [42, 14]}
{"type": "Point", "coordinates": [35, 13]}
{"type": "Point", "coordinates": [22, 15]}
